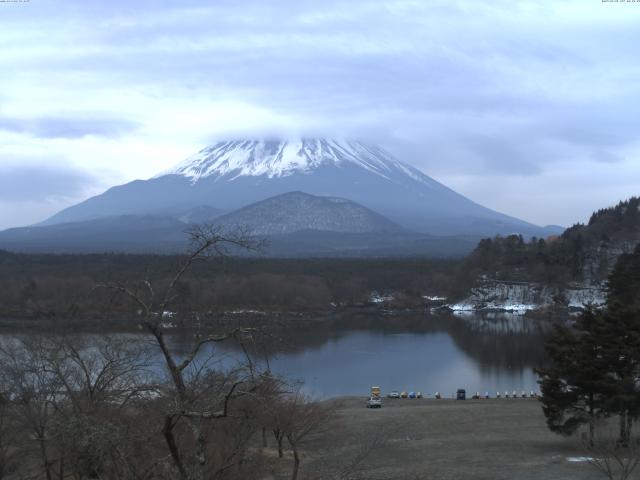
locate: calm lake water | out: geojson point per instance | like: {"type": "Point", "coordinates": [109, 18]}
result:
{"type": "Point", "coordinates": [417, 353]}
{"type": "Point", "coordinates": [404, 352]}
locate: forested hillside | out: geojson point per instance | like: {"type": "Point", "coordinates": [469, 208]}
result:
{"type": "Point", "coordinates": [583, 253]}
{"type": "Point", "coordinates": [64, 285]}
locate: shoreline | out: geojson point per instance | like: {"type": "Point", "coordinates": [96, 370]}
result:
{"type": "Point", "coordinates": [126, 323]}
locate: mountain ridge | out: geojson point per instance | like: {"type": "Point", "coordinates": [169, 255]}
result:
{"type": "Point", "coordinates": [280, 158]}
{"type": "Point", "coordinates": [231, 175]}
{"type": "Point", "coordinates": [294, 212]}
{"type": "Point", "coordinates": [294, 224]}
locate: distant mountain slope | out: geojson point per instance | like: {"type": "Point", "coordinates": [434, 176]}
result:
{"type": "Point", "coordinates": [230, 175]}
{"type": "Point", "coordinates": [125, 233]}
{"type": "Point", "coordinates": [200, 214]}
{"type": "Point", "coordinates": [296, 211]}
{"type": "Point", "coordinates": [294, 224]}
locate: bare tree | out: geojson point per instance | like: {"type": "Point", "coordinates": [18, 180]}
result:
{"type": "Point", "coordinates": [93, 408]}
{"type": "Point", "coordinates": [302, 417]}
{"type": "Point", "coordinates": [8, 453]}
{"type": "Point", "coordinates": [616, 461]}
{"type": "Point", "coordinates": [276, 415]}
{"type": "Point", "coordinates": [100, 371]}
{"type": "Point", "coordinates": [70, 397]}
{"type": "Point", "coordinates": [100, 379]}
{"type": "Point", "coordinates": [268, 396]}
{"type": "Point", "coordinates": [33, 392]}
{"type": "Point", "coordinates": [195, 396]}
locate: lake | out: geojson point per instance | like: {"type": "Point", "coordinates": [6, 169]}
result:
{"type": "Point", "coordinates": [491, 352]}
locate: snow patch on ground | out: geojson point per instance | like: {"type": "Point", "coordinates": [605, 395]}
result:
{"type": "Point", "coordinates": [516, 308]}
{"type": "Point", "coordinates": [511, 307]}
{"type": "Point", "coordinates": [376, 297]}
{"type": "Point", "coordinates": [521, 297]}
{"type": "Point", "coordinates": [577, 298]}
{"type": "Point", "coordinates": [463, 307]}
{"type": "Point", "coordinates": [245, 312]}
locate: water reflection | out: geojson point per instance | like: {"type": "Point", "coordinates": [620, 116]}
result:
{"type": "Point", "coordinates": [347, 355]}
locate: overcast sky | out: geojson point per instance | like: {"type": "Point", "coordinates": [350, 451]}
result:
{"type": "Point", "coordinates": [528, 107]}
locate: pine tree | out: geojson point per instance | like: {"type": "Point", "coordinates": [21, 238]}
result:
{"type": "Point", "coordinates": [595, 364]}
{"type": "Point", "coordinates": [574, 389]}
{"type": "Point", "coordinates": [621, 338]}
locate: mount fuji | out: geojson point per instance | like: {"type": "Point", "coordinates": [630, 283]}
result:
{"type": "Point", "coordinates": [233, 174]}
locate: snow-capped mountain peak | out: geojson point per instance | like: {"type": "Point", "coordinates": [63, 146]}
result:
{"type": "Point", "coordinates": [230, 175]}
{"type": "Point", "coordinates": [281, 158]}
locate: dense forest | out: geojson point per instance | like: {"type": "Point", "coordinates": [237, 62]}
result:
{"type": "Point", "coordinates": [65, 285]}
{"type": "Point", "coordinates": [583, 253]}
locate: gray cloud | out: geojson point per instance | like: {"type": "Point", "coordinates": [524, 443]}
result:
{"type": "Point", "coordinates": [499, 89]}
{"type": "Point", "coordinates": [42, 183]}
{"type": "Point", "coordinates": [503, 154]}
{"type": "Point", "coordinates": [67, 126]}
{"type": "Point", "coordinates": [31, 192]}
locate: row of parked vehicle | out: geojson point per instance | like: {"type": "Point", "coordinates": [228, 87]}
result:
{"type": "Point", "coordinates": [514, 394]}
{"type": "Point", "coordinates": [461, 394]}
{"type": "Point", "coordinates": [395, 394]}
{"type": "Point", "coordinates": [375, 398]}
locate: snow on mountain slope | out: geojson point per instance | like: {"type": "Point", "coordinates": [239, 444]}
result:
{"type": "Point", "coordinates": [278, 158]}
{"type": "Point", "coordinates": [297, 211]}
{"type": "Point", "coordinates": [232, 174]}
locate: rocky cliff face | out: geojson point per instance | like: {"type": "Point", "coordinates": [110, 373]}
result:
{"type": "Point", "coordinates": [598, 261]}
{"type": "Point", "coordinates": [520, 297]}
{"type": "Point", "coordinates": [567, 271]}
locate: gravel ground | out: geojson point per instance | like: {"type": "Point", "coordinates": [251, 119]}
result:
{"type": "Point", "coordinates": [446, 439]}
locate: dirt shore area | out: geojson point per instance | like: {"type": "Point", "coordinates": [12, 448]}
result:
{"type": "Point", "coordinates": [448, 439]}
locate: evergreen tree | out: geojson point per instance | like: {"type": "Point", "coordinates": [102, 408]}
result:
{"type": "Point", "coordinates": [595, 368]}
{"type": "Point", "coordinates": [574, 389]}
{"type": "Point", "coordinates": [621, 338]}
